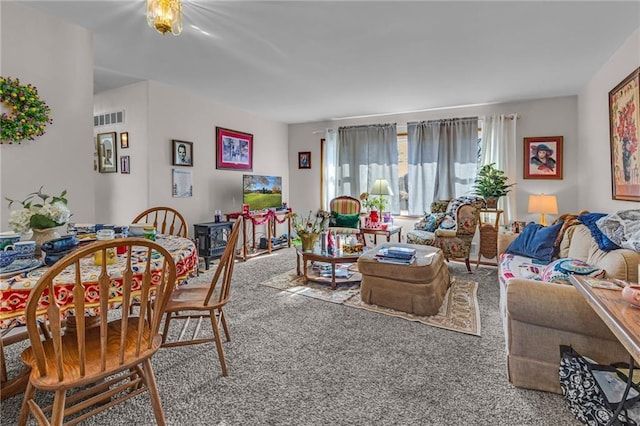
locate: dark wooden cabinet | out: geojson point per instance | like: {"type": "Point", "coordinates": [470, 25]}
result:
{"type": "Point", "coordinates": [211, 238]}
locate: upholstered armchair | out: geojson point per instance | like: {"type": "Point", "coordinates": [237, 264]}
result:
{"type": "Point", "coordinates": [345, 215]}
{"type": "Point", "coordinates": [450, 226]}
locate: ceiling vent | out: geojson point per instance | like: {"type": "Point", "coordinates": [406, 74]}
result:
{"type": "Point", "coordinates": [108, 118]}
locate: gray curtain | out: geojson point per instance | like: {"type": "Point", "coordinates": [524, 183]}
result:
{"type": "Point", "coordinates": [442, 157]}
{"type": "Point", "coordinates": [367, 153]}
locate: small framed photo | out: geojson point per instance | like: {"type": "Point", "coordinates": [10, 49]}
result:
{"type": "Point", "coordinates": [107, 153]}
{"type": "Point", "coordinates": [124, 140]}
{"type": "Point", "coordinates": [304, 160]}
{"type": "Point", "coordinates": [234, 150]}
{"type": "Point", "coordinates": [182, 153]}
{"type": "Point", "coordinates": [543, 157]}
{"type": "Point", "coordinates": [124, 165]}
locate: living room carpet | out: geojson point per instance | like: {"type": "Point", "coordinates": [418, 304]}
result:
{"type": "Point", "coordinates": [459, 311]}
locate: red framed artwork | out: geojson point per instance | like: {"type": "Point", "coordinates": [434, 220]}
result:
{"type": "Point", "coordinates": [624, 114]}
{"type": "Point", "coordinates": [543, 157]}
{"type": "Point", "coordinates": [234, 150]}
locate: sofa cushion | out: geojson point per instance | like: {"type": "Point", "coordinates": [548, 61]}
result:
{"type": "Point", "coordinates": [589, 220]}
{"type": "Point", "coordinates": [536, 241]}
{"type": "Point", "coordinates": [623, 228]}
{"type": "Point", "coordinates": [559, 270]}
{"type": "Point", "coordinates": [514, 266]}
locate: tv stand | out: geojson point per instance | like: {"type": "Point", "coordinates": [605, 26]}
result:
{"type": "Point", "coordinates": [269, 218]}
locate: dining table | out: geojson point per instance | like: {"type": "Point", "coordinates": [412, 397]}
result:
{"type": "Point", "coordinates": [15, 289]}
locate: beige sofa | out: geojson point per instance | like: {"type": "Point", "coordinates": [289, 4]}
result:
{"type": "Point", "coordinates": [538, 317]}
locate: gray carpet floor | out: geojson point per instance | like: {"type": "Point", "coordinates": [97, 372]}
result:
{"type": "Point", "coordinates": [295, 360]}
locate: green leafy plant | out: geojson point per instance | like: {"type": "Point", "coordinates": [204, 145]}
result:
{"type": "Point", "coordinates": [378, 203]}
{"type": "Point", "coordinates": [491, 182]}
{"type": "Point", "coordinates": [39, 211]}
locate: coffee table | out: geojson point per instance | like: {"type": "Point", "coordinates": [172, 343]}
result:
{"type": "Point", "coordinates": [318, 256]}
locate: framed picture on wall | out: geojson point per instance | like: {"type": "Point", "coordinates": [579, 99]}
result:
{"type": "Point", "coordinates": [107, 154]}
{"type": "Point", "coordinates": [624, 107]}
{"type": "Point", "coordinates": [124, 165]}
{"type": "Point", "coordinates": [543, 157]}
{"type": "Point", "coordinates": [234, 150]}
{"type": "Point", "coordinates": [124, 140]}
{"type": "Point", "coordinates": [182, 153]}
{"type": "Point", "coordinates": [304, 160]}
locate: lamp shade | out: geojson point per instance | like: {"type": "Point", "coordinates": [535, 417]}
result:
{"type": "Point", "coordinates": [381, 187]}
{"type": "Point", "coordinates": [543, 204]}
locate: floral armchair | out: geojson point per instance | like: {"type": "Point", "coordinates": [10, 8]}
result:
{"type": "Point", "coordinates": [450, 226]}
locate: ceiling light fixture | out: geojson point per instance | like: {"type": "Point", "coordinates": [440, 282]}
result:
{"type": "Point", "coordinates": [165, 16]}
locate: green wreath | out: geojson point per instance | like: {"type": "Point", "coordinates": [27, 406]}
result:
{"type": "Point", "coordinates": [29, 114]}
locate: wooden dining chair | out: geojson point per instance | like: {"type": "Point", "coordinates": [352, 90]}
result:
{"type": "Point", "coordinates": [166, 220]}
{"type": "Point", "coordinates": [205, 302]}
{"type": "Point", "coordinates": [109, 359]}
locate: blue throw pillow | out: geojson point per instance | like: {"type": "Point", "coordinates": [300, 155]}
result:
{"type": "Point", "coordinates": [589, 220]}
{"type": "Point", "coordinates": [536, 241]}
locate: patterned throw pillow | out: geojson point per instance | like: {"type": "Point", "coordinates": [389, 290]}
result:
{"type": "Point", "coordinates": [432, 221]}
{"type": "Point", "coordinates": [448, 222]}
{"type": "Point", "coordinates": [559, 270]}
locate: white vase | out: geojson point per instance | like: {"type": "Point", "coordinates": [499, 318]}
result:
{"type": "Point", "coordinates": [42, 236]}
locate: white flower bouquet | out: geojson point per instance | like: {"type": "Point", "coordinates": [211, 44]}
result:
{"type": "Point", "coordinates": [39, 211]}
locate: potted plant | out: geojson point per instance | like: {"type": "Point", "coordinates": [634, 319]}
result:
{"type": "Point", "coordinates": [491, 183]}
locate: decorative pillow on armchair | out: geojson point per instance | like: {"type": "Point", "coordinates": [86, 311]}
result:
{"type": "Point", "coordinates": [432, 221]}
{"type": "Point", "coordinates": [344, 220]}
{"type": "Point", "coordinates": [559, 270]}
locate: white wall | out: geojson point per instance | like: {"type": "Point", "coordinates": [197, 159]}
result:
{"type": "Point", "coordinates": [156, 114]}
{"type": "Point", "coordinates": [57, 58]}
{"type": "Point", "coordinates": [542, 117]}
{"type": "Point", "coordinates": [594, 156]}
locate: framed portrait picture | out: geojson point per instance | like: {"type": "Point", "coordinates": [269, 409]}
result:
{"type": "Point", "coordinates": [543, 157]}
{"type": "Point", "coordinates": [234, 150]}
{"type": "Point", "coordinates": [124, 140]}
{"type": "Point", "coordinates": [624, 111]}
{"type": "Point", "coordinates": [304, 160]}
{"type": "Point", "coordinates": [182, 153]}
{"type": "Point", "coordinates": [107, 153]}
{"type": "Point", "coordinates": [124, 165]}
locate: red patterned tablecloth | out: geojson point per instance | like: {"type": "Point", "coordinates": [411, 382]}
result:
{"type": "Point", "coordinates": [14, 291]}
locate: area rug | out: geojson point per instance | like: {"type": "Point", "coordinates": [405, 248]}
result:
{"type": "Point", "coordinates": [459, 311]}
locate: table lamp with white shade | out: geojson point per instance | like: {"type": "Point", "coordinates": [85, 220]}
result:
{"type": "Point", "coordinates": [543, 204]}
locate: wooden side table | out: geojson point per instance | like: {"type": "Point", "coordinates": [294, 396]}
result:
{"type": "Point", "coordinates": [488, 235]}
{"type": "Point", "coordinates": [386, 232]}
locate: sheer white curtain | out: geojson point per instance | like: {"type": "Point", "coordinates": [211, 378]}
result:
{"type": "Point", "coordinates": [499, 147]}
{"type": "Point", "coordinates": [330, 166]}
{"type": "Point", "coordinates": [367, 153]}
{"type": "Point", "coordinates": [442, 157]}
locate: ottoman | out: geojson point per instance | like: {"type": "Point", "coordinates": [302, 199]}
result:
{"type": "Point", "coordinates": [418, 288]}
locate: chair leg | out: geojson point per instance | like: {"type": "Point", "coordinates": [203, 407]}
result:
{"type": "Point", "coordinates": [57, 413]}
{"type": "Point", "coordinates": [216, 333]}
{"type": "Point", "coordinates": [165, 331]}
{"type": "Point", "coordinates": [223, 320]}
{"type": "Point", "coordinates": [150, 380]}
{"type": "Point", "coordinates": [466, 262]}
{"type": "Point", "coordinates": [24, 410]}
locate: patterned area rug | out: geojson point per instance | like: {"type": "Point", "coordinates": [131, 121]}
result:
{"type": "Point", "coordinates": [459, 311]}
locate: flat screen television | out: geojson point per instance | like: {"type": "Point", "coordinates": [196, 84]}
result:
{"type": "Point", "coordinates": [262, 192]}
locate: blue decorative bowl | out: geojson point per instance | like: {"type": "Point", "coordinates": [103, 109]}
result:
{"type": "Point", "coordinates": [7, 257]}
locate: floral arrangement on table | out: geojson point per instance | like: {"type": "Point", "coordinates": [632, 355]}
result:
{"type": "Point", "coordinates": [312, 224]}
{"type": "Point", "coordinates": [39, 211]}
{"type": "Point", "coordinates": [29, 114]}
{"type": "Point", "coordinates": [375, 203]}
